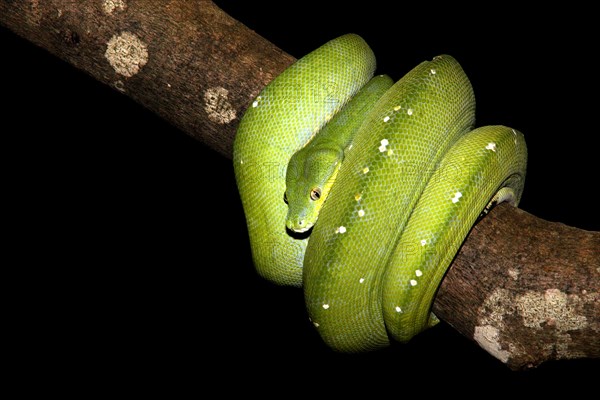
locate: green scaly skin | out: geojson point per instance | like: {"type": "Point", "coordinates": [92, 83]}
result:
{"type": "Point", "coordinates": [414, 179]}
{"type": "Point", "coordinates": [280, 121]}
{"type": "Point", "coordinates": [315, 166]}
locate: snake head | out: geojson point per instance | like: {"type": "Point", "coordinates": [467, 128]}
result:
{"type": "Point", "coordinates": [309, 178]}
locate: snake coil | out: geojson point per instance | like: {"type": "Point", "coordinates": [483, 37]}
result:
{"type": "Point", "coordinates": [395, 174]}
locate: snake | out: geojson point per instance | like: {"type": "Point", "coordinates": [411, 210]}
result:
{"type": "Point", "coordinates": [361, 190]}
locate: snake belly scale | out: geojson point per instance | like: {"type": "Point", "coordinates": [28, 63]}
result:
{"type": "Point", "coordinates": [395, 193]}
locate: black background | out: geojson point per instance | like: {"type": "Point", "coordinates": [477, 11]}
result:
{"type": "Point", "coordinates": [135, 234]}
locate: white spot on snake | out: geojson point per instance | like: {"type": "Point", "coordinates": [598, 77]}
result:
{"type": "Point", "coordinates": [383, 146]}
{"type": "Point", "coordinates": [515, 134]}
{"type": "Point", "coordinates": [491, 146]}
{"type": "Point", "coordinates": [325, 306]}
{"type": "Point", "coordinates": [341, 229]}
{"type": "Point", "coordinates": [349, 147]}
{"type": "Point", "coordinates": [432, 70]}
{"type": "Point", "coordinates": [361, 280]}
{"type": "Point", "coordinates": [365, 170]}
{"type": "Point", "coordinates": [126, 53]}
{"type": "Point", "coordinates": [361, 213]}
{"type": "Point", "coordinates": [255, 103]}
{"type": "Point", "coordinates": [418, 272]}
{"type": "Point", "coordinates": [409, 111]}
{"type": "Point", "coordinates": [413, 282]}
{"type": "Point", "coordinates": [423, 242]}
{"type": "Point", "coordinates": [398, 309]}
{"type": "Point", "coordinates": [217, 105]}
{"type": "Point", "coordinates": [241, 161]}
{"type": "Point", "coordinates": [357, 196]}
{"type": "Point", "coordinates": [386, 119]}
{"type": "Point", "coordinates": [457, 196]}
{"type": "Point", "coordinates": [109, 6]}
{"type": "Point", "coordinates": [316, 324]}
{"type": "Point", "coordinates": [397, 108]}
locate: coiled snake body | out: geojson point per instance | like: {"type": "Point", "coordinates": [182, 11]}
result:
{"type": "Point", "coordinates": [396, 175]}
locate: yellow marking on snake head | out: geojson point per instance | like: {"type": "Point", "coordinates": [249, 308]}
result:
{"type": "Point", "coordinates": [309, 178]}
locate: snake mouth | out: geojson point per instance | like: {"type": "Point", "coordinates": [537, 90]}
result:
{"type": "Point", "coordinates": [300, 233]}
{"type": "Point", "coordinates": [299, 224]}
{"type": "Point", "coordinates": [302, 230]}
{"type": "Point", "coordinates": [300, 227]}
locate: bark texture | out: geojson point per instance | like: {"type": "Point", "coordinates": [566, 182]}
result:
{"type": "Point", "coordinates": [526, 290]}
{"type": "Point", "coordinates": [187, 61]}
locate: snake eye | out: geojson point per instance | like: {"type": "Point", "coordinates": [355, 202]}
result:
{"type": "Point", "coordinates": [285, 200]}
{"type": "Point", "coordinates": [315, 194]}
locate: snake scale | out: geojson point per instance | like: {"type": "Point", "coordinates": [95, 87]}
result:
{"type": "Point", "coordinates": [362, 190]}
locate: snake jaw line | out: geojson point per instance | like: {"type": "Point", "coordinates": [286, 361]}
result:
{"type": "Point", "coordinates": [301, 230]}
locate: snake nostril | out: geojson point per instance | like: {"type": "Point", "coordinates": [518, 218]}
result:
{"type": "Point", "coordinates": [301, 222]}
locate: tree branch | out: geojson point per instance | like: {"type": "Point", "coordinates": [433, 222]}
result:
{"type": "Point", "coordinates": [187, 61]}
{"type": "Point", "coordinates": [526, 290]}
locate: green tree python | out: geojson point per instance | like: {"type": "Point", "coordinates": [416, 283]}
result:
{"type": "Point", "coordinates": [362, 190]}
